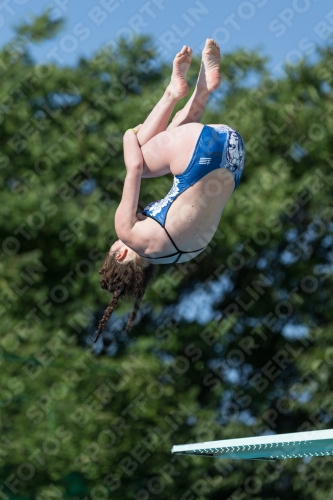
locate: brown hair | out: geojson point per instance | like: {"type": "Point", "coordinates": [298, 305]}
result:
{"type": "Point", "coordinates": [127, 280]}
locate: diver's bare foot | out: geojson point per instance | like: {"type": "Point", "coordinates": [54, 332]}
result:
{"type": "Point", "coordinates": [209, 77]}
{"type": "Point", "coordinates": [178, 87]}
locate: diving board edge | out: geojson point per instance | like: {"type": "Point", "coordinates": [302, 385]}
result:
{"type": "Point", "coordinates": [268, 447]}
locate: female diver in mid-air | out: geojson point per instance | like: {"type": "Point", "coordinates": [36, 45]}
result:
{"type": "Point", "coordinates": [207, 162]}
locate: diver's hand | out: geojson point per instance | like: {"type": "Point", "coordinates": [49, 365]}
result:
{"type": "Point", "coordinates": [134, 129]}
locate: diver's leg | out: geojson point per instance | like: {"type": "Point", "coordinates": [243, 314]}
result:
{"type": "Point", "coordinates": [157, 120]}
{"type": "Point", "coordinates": [158, 150]}
{"type": "Point", "coordinates": [169, 150]}
{"type": "Point", "coordinates": [208, 81]}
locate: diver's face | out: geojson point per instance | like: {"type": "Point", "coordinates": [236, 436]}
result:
{"type": "Point", "coordinates": [117, 245]}
{"type": "Point", "coordinates": [125, 254]}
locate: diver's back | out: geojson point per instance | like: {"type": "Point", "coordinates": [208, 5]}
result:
{"type": "Point", "coordinates": [195, 213]}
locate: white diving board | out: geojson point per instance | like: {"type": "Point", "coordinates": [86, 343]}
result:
{"type": "Point", "coordinates": [293, 445]}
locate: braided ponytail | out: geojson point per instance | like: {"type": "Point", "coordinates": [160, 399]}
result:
{"type": "Point", "coordinates": [128, 279]}
{"type": "Point", "coordinates": [109, 310]}
{"type": "Point", "coordinates": [133, 315]}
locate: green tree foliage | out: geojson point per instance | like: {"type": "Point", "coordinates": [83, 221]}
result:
{"type": "Point", "coordinates": [94, 423]}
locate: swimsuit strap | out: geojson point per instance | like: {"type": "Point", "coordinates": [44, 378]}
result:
{"type": "Point", "coordinates": [174, 244]}
{"type": "Point", "coordinates": [181, 251]}
{"type": "Point", "coordinates": [161, 257]}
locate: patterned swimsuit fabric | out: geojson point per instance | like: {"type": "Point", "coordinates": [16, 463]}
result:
{"type": "Point", "coordinates": [218, 146]}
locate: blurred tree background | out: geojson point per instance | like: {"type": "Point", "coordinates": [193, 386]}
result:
{"type": "Point", "coordinates": [80, 421]}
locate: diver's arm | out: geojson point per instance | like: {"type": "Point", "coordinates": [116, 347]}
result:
{"type": "Point", "coordinates": [125, 216]}
{"type": "Point", "coordinates": [132, 151]}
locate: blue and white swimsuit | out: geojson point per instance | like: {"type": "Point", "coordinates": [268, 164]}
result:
{"type": "Point", "coordinates": [218, 146]}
